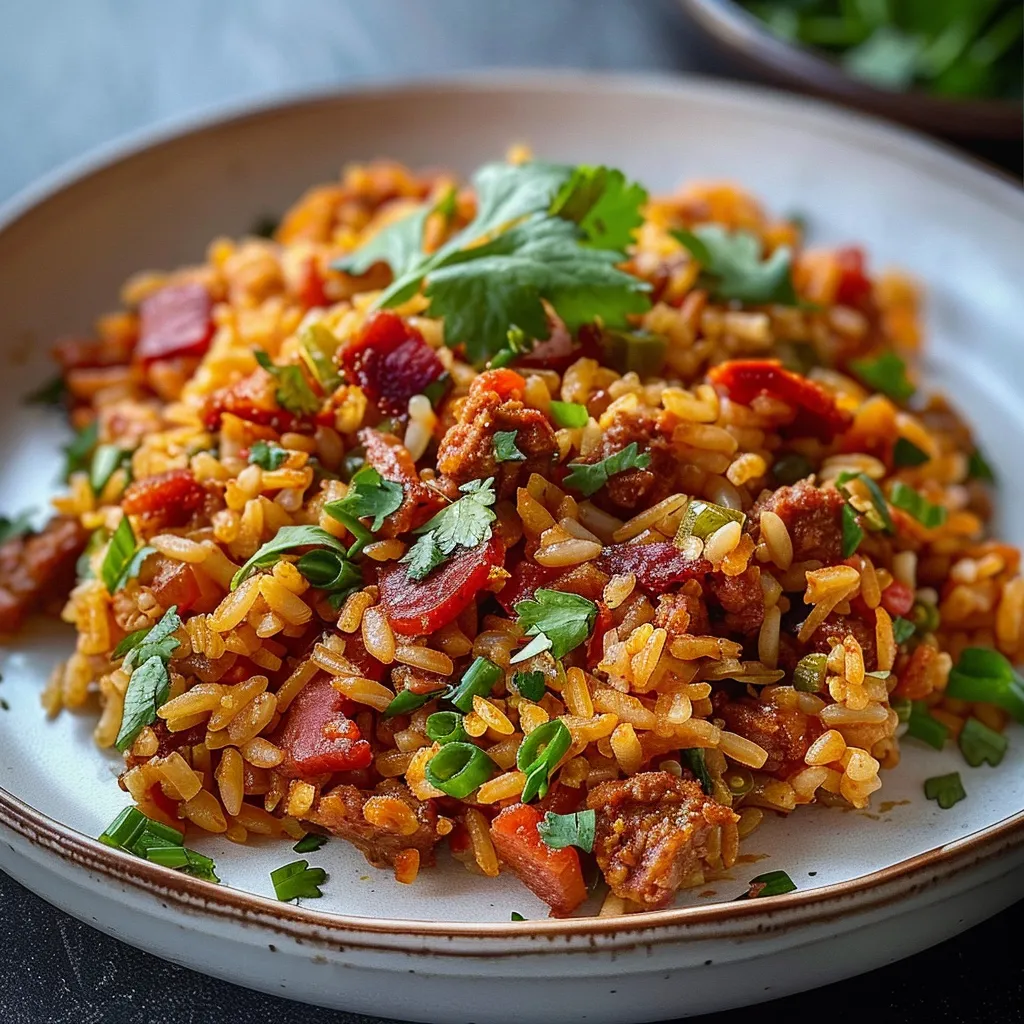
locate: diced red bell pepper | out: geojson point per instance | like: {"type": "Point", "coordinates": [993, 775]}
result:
{"type": "Point", "coordinates": [555, 876]}
{"type": "Point", "coordinates": [854, 285]}
{"type": "Point", "coordinates": [817, 413]}
{"type": "Point", "coordinates": [391, 362]}
{"type": "Point", "coordinates": [658, 567]}
{"type": "Point", "coordinates": [898, 598]}
{"type": "Point", "coordinates": [175, 321]}
{"type": "Point", "coordinates": [172, 496]}
{"type": "Point", "coordinates": [311, 286]}
{"type": "Point", "coordinates": [416, 608]}
{"type": "Point", "coordinates": [317, 735]}
{"type": "Point", "coordinates": [525, 578]}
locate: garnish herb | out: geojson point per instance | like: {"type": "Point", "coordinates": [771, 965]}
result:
{"type": "Point", "coordinates": [267, 455]}
{"type": "Point", "coordinates": [945, 790]}
{"type": "Point", "coordinates": [771, 883]}
{"type": "Point", "coordinates": [923, 727]}
{"type": "Point", "coordinates": [569, 414]}
{"type": "Point", "coordinates": [558, 831]}
{"type": "Point", "coordinates": [902, 630]}
{"type": "Point", "coordinates": [566, 619]}
{"type": "Point", "coordinates": [330, 571]}
{"type": "Point", "coordinates": [406, 702]}
{"type": "Point", "coordinates": [78, 450]}
{"type": "Point", "coordinates": [293, 393]}
{"type": "Point", "coordinates": [297, 880]}
{"type": "Point", "coordinates": [530, 685]}
{"type": "Point", "coordinates": [147, 691]}
{"type": "Point", "coordinates": [925, 616]}
{"type": "Point", "coordinates": [522, 249]}
{"type": "Point", "coordinates": [132, 832]}
{"type": "Point", "coordinates": [693, 758]}
{"type": "Point", "coordinates": [458, 768]}
{"type": "Point", "coordinates": [141, 645]}
{"type": "Point", "coordinates": [505, 449]}
{"type": "Point", "coordinates": [538, 756]}
{"type": "Point", "coordinates": [886, 373]}
{"type": "Point", "coordinates": [979, 469]}
{"type": "Point", "coordinates": [979, 744]}
{"type": "Point", "coordinates": [18, 526]}
{"type": "Point", "coordinates": [479, 680]}
{"type": "Point", "coordinates": [515, 916]}
{"type": "Point", "coordinates": [702, 518]}
{"type": "Point", "coordinates": [317, 347]}
{"type": "Point", "coordinates": [124, 557]}
{"type": "Point", "coordinates": [446, 727]}
{"type": "Point", "coordinates": [733, 265]}
{"type": "Point", "coordinates": [589, 478]}
{"type": "Point", "coordinates": [906, 453]}
{"type": "Point", "coordinates": [309, 843]}
{"type": "Point", "coordinates": [538, 645]}
{"type": "Point", "coordinates": [853, 532]}
{"type": "Point", "coordinates": [286, 539]}
{"type": "Point", "coordinates": [809, 673]}
{"type": "Point", "coordinates": [928, 515]}
{"type": "Point", "coordinates": [465, 523]}
{"type": "Point", "coordinates": [370, 496]}
{"type": "Point", "coordinates": [106, 460]}
{"type": "Point", "coordinates": [638, 351]}
{"type": "Point", "coordinates": [878, 517]}
{"type": "Point", "coordinates": [985, 675]}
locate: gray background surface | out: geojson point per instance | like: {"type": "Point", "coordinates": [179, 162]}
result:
{"type": "Point", "coordinates": [77, 73]}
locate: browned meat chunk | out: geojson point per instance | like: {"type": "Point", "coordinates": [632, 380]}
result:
{"type": "Point", "coordinates": [652, 831]}
{"type": "Point", "coordinates": [741, 598]}
{"type": "Point", "coordinates": [392, 460]}
{"type": "Point", "coordinates": [683, 612]}
{"type": "Point", "coordinates": [37, 569]}
{"type": "Point", "coordinates": [836, 627]}
{"type": "Point", "coordinates": [341, 812]}
{"type": "Point", "coordinates": [813, 516]}
{"type": "Point", "coordinates": [784, 734]}
{"type": "Point", "coordinates": [467, 453]}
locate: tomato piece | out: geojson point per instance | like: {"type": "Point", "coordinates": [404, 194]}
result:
{"type": "Point", "coordinates": [172, 496]}
{"type": "Point", "coordinates": [658, 567]}
{"type": "Point", "coordinates": [504, 382]}
{"type": "Point", "coordinates": [317, 735]}
{"type": "Point", "coordinates": [854, 285]}
{"type": "Point", "coordinates": [526, 577]}
{"type": "Point", "coordinates": [311, 286]}
{"type": "Point", "coordinates": [555, 876]}
{"type": "Point", "coordinates": [175, 321]}
{"type": "Point", "coordinates": [817, 413]}
{"type": "Point", "coordinates": [897, 598]}
{"type": "Point", "coordinates": [416, 608]}
{"type": "Point", "coordinates": [390, 362]}
{"type": "Point", "coordinates": [605, 621]}
{"type": "Point", "coordinates": [175, 583]}
{"type": "Point", "coordinates": [253, 399]}
{"type": "Point", "coordinates": [356, 652]}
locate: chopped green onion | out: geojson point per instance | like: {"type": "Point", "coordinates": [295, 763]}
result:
{"type": "Point", "coordinates": [406, 702]}
{"type": "Point", "coordinates": [558, 831]}
{"type": "Point", "coordinates": [985, 675]}
{"type": "Point", "coordinates": [903, 706]}
{"type": "Point", "coordinates": [979, 744]}
{"type": "Point", "coordinates": [791, 468]}
{"type": "Point", "coordinates": [297, 879]}
{"type": "Point", "coordinates": [979, 469]}
{"type": "Point", "coordinates": [906, 453]}
{"type": "Point", "coordinates": [886, 373]}
{"type": "Point", "coordinates": [317, 346]}
{"type": "Point", "coordinates": [697, 763]}
{"type": "Point", "coordinates": [880, 518]}
{"type": "Point", "coordinates": [189, 861]}
{"type": "Point", "coordinates": [106, 459]}
{"type": "Point", "coordinates": [155, 835]}
{"type": "Point", "coordinates": [946, 790]}
{"type": "Point", "coordinates": [292, 393]}
{"type": "Point", "coordinates": [132, 832]}
{"type": "Point", "coordinates": [739, 781]}
{"type": "Point", "coordinates": [124, 829]}
{"type": "Point", "coordinates": [458, 769]}
{"type": "Point", "coordinates": [925, 617]}
{"type": "Point", "coordinates": [79, 448]}
{"type": "Point", "coordinates": [928, 515]}
{"type": "Point", "coordinates": [853, 532]}
{"type": "Point", "coordinates": [923, 727]}
{"type": "Point", "coordinates": [539, 754]}
{"type": "Point", "coordinates": [446, 727]}
{"type": "Point", "coordinates": [481, 677]}
{"type": "Point", "coordinates": [569, 415]}
{"type": "Point", "coordinates": [538, 645]}
{"type": "Point", "coordinates": [771, 883]}
{"type": "Point", "coordinates": [505, 449]}
{"type": "Point", "coordinates": [516, 916]}
{"type": "Point", "coordinates": [809, 674]}
{"type": "Point", "coordinates": [310, 843]}
{"type": "Point", "coordinates": [530, 685]}
{"type": "Point", "coordinates": [703, 518]}
{"type": "Point", "coordinates": [902, 630]}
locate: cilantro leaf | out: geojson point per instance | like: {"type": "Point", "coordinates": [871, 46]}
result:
{"type": "Point", "coordinates": [589, 478]}
{"type": "Point", "coordinates": [505, 449]}
{"type": "Point", "coordinates": [558, 831]}
{"type": "Point", "coordinates": [371, 496]}
{"type": "Point", "coordinates": [530, 685]}
{"type": "Point", "coordinates": [853, 532]}
{"type": "Point", "coordinates": [928, 515]}
{"type": "Point", "coordinates": [287, 538]}
{"type": "Point", "coordinates": [18, 526]}
{"type": "Point", "coordinates": [297, 879]}
{"type": "Point", "coordinates": [979, 469]}
{"type": "Point", "coordinates": [398, 244]}
{"type": "Point", "coordinates": [945, 790]}
{"type": "Point", "coordinates": [771, 883]}
{"type": "Point", "coordinates": [123, 558]}
{"type": "Point", "coordinates": [293, 393]}
{"type": "Point", "coordinates": [733, 267]}
{"type": "Point", "coordinates": [147, 691]}
{"type": "Point", "coordinates": [465, 523]}
{"type": "Point", "coordinates": [604, 204]}
{"type": "Point", "coordinates": [538, 645]}
{"type": "Point", "coordinates": [906, 453]}
{"type": "Point", "coordinates": [980, 744]}
{"type": "Point", "coordinates": [157, 640]}
{"type": "Point", "coordinates": [902, 630]}
{"type": "Point", "coordinates": [566, 619]}
{"type": "Point", "coordinates": [310, 843]}
{"type": "Point", "coordinates": [267, 455]}
{"type": "Point", "coordinates": [886, 373]}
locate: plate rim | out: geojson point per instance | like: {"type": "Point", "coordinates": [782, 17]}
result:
{"type": "Point", "coordinates": [822, 903]}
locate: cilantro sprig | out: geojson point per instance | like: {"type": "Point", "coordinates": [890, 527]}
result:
{"type": "Point", "coordinates": [589, 477]}
{"type": "Point", "coordinates": [124, 557]}
{"type": "Point", "coordinates": [267, 455]}
{"type": "Point", "coordinates": [293, 393]}
{"type": "Point", "coordinates": [565, 619]}
{"type": "Point", "coordinates": [505, 449]}
{"type": "Point", "coordinates": [886, 373]}
{"type": "Point", "coordinates": [296, 880]}
{"type": "Point", "coordinates": [370, 496]}
{"type": "Point", "coordinates": [558, 831]}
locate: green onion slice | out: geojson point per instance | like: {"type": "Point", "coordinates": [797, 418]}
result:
{"type": "Point", "coordinates": [457, 769]}
{"type": "Point", "coordinates": [853, 532]}
{"type": "Point", "coordinates": [809, 674]}
{"type": "Point", "coordinates": [539, 754]}
{"type": "Point", "coordinates": [927, 514]}
{"type": "Point", "coordinates": [446, 727]}
{"type": "Point", "coordinates": [979, 744]}
{"type": "Point", "coordinates": [946, 790]}
{"type": "Point", "coordinates": [923, 727]}
{"type": "Point", "coordinates": [480, 678]}
{"type": "Point", "coordinates": [985, 675]}
{"type": "Point", "coordinates": [906, 453]}
{"type": "Point", "coordinates": [569, 414]}
{"type": "Point", "coordinates": [703, 518]}
{"type": "Point", "coordinates": [406, 702]}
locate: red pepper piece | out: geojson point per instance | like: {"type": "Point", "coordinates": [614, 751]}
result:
{"type": "Point", "coordinates": [898, 598]}
{"type": "Point", "coordinates": [817, 413]}
{"type": "Point", "coordinates": [554, 876]}
{"type": "Point", "coordinates": [595, 646]}
{"type": "Point", "coordinates": [658, 567]}
{"type": "Point", "coordinates": [416, 608]}
{"type": "Point", "coordinates": [391, 362]}
{"type": "Point", "coordinates": [173, 496]}
{"type": "Point", "coordinates": [175, 321]}
{"type": "Point", "coordinates": [854, 285]}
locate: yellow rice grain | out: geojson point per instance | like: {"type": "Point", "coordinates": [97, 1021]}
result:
{"type": "Point", "coordinates": [474, 725]}
{"type": "Point", "coordinates": [424, 658]}
{"type": "Point", "coordinates": [860, 766]}
{"type": "Point", "coordinates": [837, 716]}
{"type": "Point", "coordinates": [234, 608]}
{"type": "Point", "coordinates": [252, 719]}
{"type": "Point", "coordinates": [530, 717]}
{"type": "Point", "coordinates": [377, 636]}
{"type": "Point", "coordinates": [480, 841]}
{"type": "Point", "coordinates": [1010, 615]}
{"type": "Point", "coordinates": [565, 553]}
{"type": "Point", "coordinates": [364, 691]}
{"type": "Point", "coordinates": [230, 784]}
{"type": "Point", "coordinates": [407, 863]}
{"type": "Point", "coordinates": [768, 637]}
{"type": "Point", "coordinates": [613, 906]}
{"type": "Point", "coordinates": [853, 661]}
{"type": "Point", "coordinates": [391, 814]}
{"type": "Point", "coordinates": [644, 520]}
{"type": "Point", "coordinates": [393, 763]}
{"type": "Point", "coordinates": [300, 798]}
{"type": "Point", "coordinates": [750, 818]}
{"type": "Point", "coordinates": [177, 774]}
{"type": "Point", "coordinates": [885, 641]}
{"type": "Point", "coordinates": [502, 787]}
{"type": "Point", "coordinates": [351, 616]}
{"type": "Point", "coordinates": [202, 697]}
{"type": "Point", "coordinates": [288, 605]}
{"type": "Point", "coordinates": [697, 732]}
{"type": "Point", "coordinates": [146, 743]}
{"type": "Point", "coordinates": [617, 589]}
{"type": "Point", "coordinates": [293, 685]}
{"type": "Point", "coordinates": [492, 716]}
{"type": "Point", "coordinates": [261, 753]}
{"type": "Point", "coordinates": [624, 707]}
{"type": "Point", "coordinates": [576, 693]}
{"type": "Point", "coordinates": [259, 821]}
{"type": "Point", "coordinates": [385, 550]}
{"type": "Point", "coordinates": [777, 539]}
{"type": "Point", "coordinates": [234, 699]}
{"type": "Point", "coordinates": [742, 750]}
{"type": "Point", "coordinates": [626, 748]}
{"type": "Point", "coordinates": [205, 812]}
{"type": "Point", "coordinates": [184, 722]}
{"type": "Point", "coordinates": [722, 542]}
{"type": "Point", "coordinates": [806, 782]}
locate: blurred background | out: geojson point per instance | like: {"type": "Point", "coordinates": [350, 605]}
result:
{"type": "Point", "coordinates": [77, 73]}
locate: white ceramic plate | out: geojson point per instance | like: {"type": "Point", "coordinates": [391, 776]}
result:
{"type": "Point", "coordinates": [875, 885]}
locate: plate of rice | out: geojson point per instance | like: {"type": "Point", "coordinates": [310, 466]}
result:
{"type": "Point", "coordinates": [578, 552]}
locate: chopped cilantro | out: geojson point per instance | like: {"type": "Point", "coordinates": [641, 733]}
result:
{"type": "Point", "coordinates": [945, 790]}
{"type": "Point", "coordinates": [979, 469]}
{"type": "Point", "coordinates": [589, 478]}
{"type": "Point", "coordinates": [505, 449]}
{"type": "Point", "coordinates": [465, 523]}
{"type": "Point", "coordinates": [530, 685]}
{"type": "Point", "coordinates": [566, 619]}
{"type": "Point", "coordinates": [515, 916]}
{"type": "Point", "coordinates": [53, 392]}
{"type": "Point", "coordinates": [293, 393]}
{"type": "Point", "coordinates": [310, 843]}
{"type": "Point", "coordinates": [733, 265]}
{"type": "Point", "coordinates": [560, 830]}
{"type": "Point", "coordinates": [569, 414]}
{"type": "Point", "coordinates": [604, 204]}
{"type": "Point", "coordinates": [905, 497]}
{"type": "Point", "coordinates": [147, 690]}
{"type": "Point", "coordinates": [317, 346]}
{"type": "Point", "coordinates": [902, 629]}
{"type": "Point", "coordinates": [886, 373]}
{"type": "Point", "coordinates": [124, 557]}
{"type": "Point", "coordinates": [853, 532]}
{"type": "Point", "coordinates": [538, 645]}
{"type": "Point", "coordinates": [297, 880]}
{"type": "Point", "coordinates": [267, 455]}
{"type": "Point", "coordinates": [78, 450]}
{"type": "Point", "coordinates": [140, 646]}
{"type": "Point", "coordinates": [370, 496]}
{"type": "Point", "coordinates": [906, 453]}
{"type": "Point", "coordinates": [980, 744]}
{"type": "Point", "coordinates": [771, 883]}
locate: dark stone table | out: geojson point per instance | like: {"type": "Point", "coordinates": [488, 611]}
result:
{"type": "Point", "coordinates": [75, 73]}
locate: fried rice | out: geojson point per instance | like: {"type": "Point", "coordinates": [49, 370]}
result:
{"type": "Point", "coordinates": [610, 593]}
